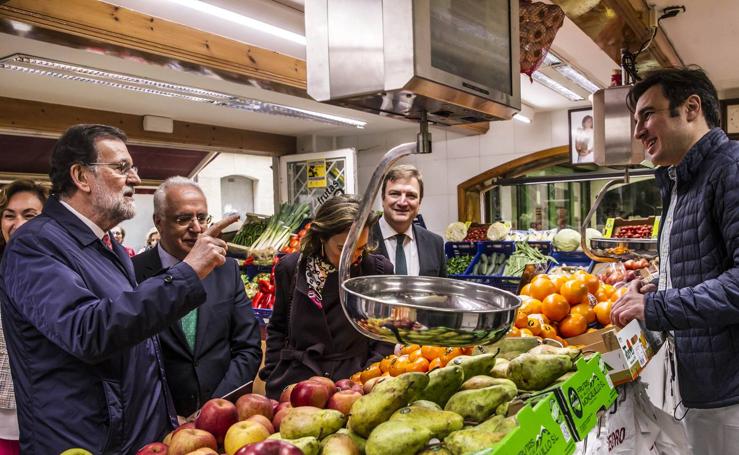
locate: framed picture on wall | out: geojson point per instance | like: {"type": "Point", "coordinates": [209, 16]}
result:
{"type": "Point", "coordinates": [730, 117]}
{"type": "Point", "coordinates": [581, 135]}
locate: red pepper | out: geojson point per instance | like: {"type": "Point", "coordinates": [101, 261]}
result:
{"type": "Point", "coordinates": [249, 260]}
{"type": "Point", "coordinates": [256, 300]}
{"type": "Point", "coordinates": [264, 286]}
{"type": "Point", "coordinates": [270, 301]}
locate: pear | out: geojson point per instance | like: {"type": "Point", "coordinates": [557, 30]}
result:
{"type": "Point", "coordinates": [306, 421]}
{"type": "Point", "coordinates": [359, 441]}
{"type": "Point", "coordinates": [500, 370]}
{"type": "Point", "coordinates": [440, 423]}
{"type": "Point", "coordinates": [443, 383]}
{"type": "Point", "coordinates": [571, 351]}
{"type": "Point", "coordinates": [426, 404]}
{"type": "Point", "coordinates": [478, 382]}
{"type": "Point", "coordinates": [397, 438]}
{"type": "Point", "coordinates": [479, 404]}
{"type": "Point", "coordinates": [467, 442]}
{"type": "Point", "coordinates": [475, 365]}
{"type": "Point", "coordinates": [537, 371]}
{"type": "Point", "coordinates": [339, 444]}
{"type": "Point", "coordinates": [435, 450]}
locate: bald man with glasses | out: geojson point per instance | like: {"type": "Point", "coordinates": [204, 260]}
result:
{"type": "Point", "coordinates": [217, 347]}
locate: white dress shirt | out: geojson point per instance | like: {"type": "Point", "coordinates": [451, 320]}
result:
{"type": "Point", "coordinates": [97, 230]}
{"type": "Point", "coordinates": [410, 247]}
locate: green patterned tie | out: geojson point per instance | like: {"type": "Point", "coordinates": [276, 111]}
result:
{"type": "Point", "coordinates": [401, 267]}
{"type": "Point", "coordinates": [189, 326]}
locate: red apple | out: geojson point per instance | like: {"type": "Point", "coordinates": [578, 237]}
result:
{"type": "Point", "coordinates": [309, 393]}
{"type": "Point", "coordinates": [348, 384]}
{"type": "Point", "coordinates": [275, 403]}
{"type": "Point", "coordinates": [216, 416]}
{"type": "Point", "coordinates": [330, 385]}
{"type": "Point", "coordinates": [265, 422]}
{"type": "Point", "coordinates": [189, 439]}
{"type": "Point", "coordinates": [168, 439]}
{"type": "Point", "coordinates": [251, 404]}
{"type": "Point", "coordinates": [285, 395]}
{"type": "Point", "coordinates": [282, 406]}
{"type": "Point", "coordinates": [270, 447]}
{"type": "Point", "coordinates": [277, 419]}
{"type": "Point", "coordinates": [203, 451]}
{"type": "Point", "coordinates": [343, 401]}
{"type": "Point", "coordinates": [153, 448]}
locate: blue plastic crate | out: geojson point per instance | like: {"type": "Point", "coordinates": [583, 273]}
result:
{"type": "Point", "coordinates": [572, 258]}
{"type": "Point", "coordinates": [263, 315]}
{"type": "Point", "coordinates": [506, 283]}
{"type": "Point", "coordinates": [544, 246]}
{"type": "Point", "coordinates": [454, 249]}
{"type": "Point", "coordinates": [507, 248]}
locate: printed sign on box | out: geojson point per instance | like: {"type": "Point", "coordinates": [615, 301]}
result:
{"type": "Point", "coordinates": [316, 173]}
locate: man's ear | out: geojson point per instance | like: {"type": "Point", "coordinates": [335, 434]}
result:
{"type": "Point", "coordinates": [157, 220]}
{"type": "Point", "coordinates": [694, 107]}
{"type": "Point", "coordinates": [80, 177]}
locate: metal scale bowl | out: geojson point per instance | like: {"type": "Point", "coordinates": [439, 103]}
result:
{"type": "Point", "coordinates": [415, 309]}
{"type": "Point", "coordinates": [612, 250]}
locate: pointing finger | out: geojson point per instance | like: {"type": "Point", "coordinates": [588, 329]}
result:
{"type": "Point", "coordinates": [216, 228]}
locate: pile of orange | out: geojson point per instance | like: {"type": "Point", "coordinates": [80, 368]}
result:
{"type": "Point", "coordinates": [410, 358]}
{"type": "Point", "coordinates": [564, 305]}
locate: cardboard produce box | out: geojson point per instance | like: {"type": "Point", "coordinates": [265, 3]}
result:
{"type": "Point", "coordinates": [626, 352]}
{"type": "Point", "coordinates": [542, 430]}
{"type": "Point", "coordinates": [583, 395]}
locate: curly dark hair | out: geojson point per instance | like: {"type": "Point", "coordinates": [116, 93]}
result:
{"type": "Point", "coordinates": [677, 85]}
{"type": "Point", "coordinates": [77, 146]}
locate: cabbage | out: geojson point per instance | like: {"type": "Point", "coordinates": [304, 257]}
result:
{"type": "Point", "coordinates": [455, 232]}
{"type": "Point", "coordinates": [591, 233]}
{"type": "Point", "coordinates": [566, 240]}
{"type": "Point", "coordinates": [498, 231]}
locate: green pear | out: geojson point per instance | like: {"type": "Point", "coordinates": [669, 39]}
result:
{"type": "Point", "coordinates": [426, 404]}
{"type": "Point", "coordinates": [387, 397]}
{"type": "Point", "coordinates": [440, 423]}
{"type": "Point", "coordinates": [571, 351]}
{"type": "Point", "coordinates": [310, 421]}
{"type": "Point", "coordinates": [339, 444]}
{"type": "Point", "coordinates": [479, 404]}
{"type": "Point", "coordinates": [397, 438]}
{"type": "Point", "coordinates": [467, 442]}
{"type": "Point", "coordinates": [537, 371]}
{"type": "Point", "coordinates": [481, 381]}
{"type": "Point", "coordinates": [435, 450]}
{"type": "Point", "coordinates": [443, 383]}
{"type": "Point", "coordinates": [474, 365]}
{"type": "Point", "coordinates": [500, 370]}
{"type": "Point", "coordinates": [358, 440]}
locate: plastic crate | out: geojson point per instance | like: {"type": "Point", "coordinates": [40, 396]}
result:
{"type": "Point", "coordinates": [510, 284]}
{"type": "Point", "coordinates": [544, 246]}
{"type": "Point", "coordinates": [263, 315]}
{"type": "Point", "coordinates": [454, 249]}
{"type": "Point", "coordinates": [572, 258]}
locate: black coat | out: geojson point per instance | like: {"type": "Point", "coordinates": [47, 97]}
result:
{"type": "Point", "coordinates": [227, 341]}
{"type": "Point", "coordinates": [305, 341]}
{"type": "Point", "coordinates": [703, 306]}
{"type": "Point", "coordinates": [431, 257]}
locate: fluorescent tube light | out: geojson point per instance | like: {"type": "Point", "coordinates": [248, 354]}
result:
{"type": "Point", "coordinates": [577, 77]}
{"type": "Point", "coordinates": [551, 59]}
{"type": "Point", "coordinates": [522, 118]}
{"type": "Point", "coordinates": [551, 84]}
{"type": "Point", "coordinates": [44, 67]}
{"type": "Point", "coordinates": [240, 19]}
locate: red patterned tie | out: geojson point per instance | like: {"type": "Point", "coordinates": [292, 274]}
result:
{"type": "Point", "coordinates": [106, 241]}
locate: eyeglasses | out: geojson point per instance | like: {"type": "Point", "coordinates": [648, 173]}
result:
{"type": "Point", "coordinates": [124, 168]}
{"type": "Point", "coordinates": [185, 220]}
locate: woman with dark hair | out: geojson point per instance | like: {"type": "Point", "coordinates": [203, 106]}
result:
{"type": "Point", "coordinates": [20, 201]}
{"type": "Point", "coordinates": [308, 333]}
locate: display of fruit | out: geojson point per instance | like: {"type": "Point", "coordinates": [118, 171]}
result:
{"type": "Point", "coordinates": [191, 439]}
{"type": "Point", "coordinates": [270, 447]}
{"type": "Point", "coordinates": [216, 417]}
{"type": "Point", "coordinates": [638, 231]}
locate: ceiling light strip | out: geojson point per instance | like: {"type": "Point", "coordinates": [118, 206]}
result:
{"type": "Point", "coordinates": [43, 67]}
{"type": "Point", "coordinates": [551, 84]}
{"type": "Point", "coordinates": [577, 77]}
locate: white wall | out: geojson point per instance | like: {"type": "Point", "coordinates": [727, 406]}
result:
{"type": "Point", "coordinates": [137, 227]}
{"type": "Point", "coordinates": [456, 158]}
{"type": "Point", "coordinates": [256, 168]}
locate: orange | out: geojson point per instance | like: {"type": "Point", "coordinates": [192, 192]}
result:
{"type": "Point", "coordinates": [619, 293]}
{"type": "Point", "coordinates": [409, 348]}
{"type": "Point", "coordinates": [370, 372]}
{"type": "Point", "coordinates": [526, 333]}
{"type": "Point", "coordinates": [609, 289]}
{"type": "Point", "coordinates": [432, 352]}
{"type": "Point", "coordinates": [415, 354]}
{"type": "Point", "coordinates": [468, 350]}
{"type": "Point", "coordinates": [574, 291]}
{"type": "Point", "coordinates": [356, 377]}
{"type": "Point", "coordinates": [547, 331]}
{"type": "Point", "coordinates": [602, 294]}
{"type": "Point", "coordinates": [542, 319]}
{"type": "Point", "coordinates": [451, 353]}
{"type": "Point", "coordinates": [534, 325]}
{"type": "Point", "coordinates": [521, 319]}
{"type": "Point", "coordinates": [559, 280]}
{"type": "Point", "coordinates": [555, 307]}
{"type": "Point", "coordinates": [561, 340]}
{"type": "Point", "coordinates": [514, 332]}
{"type": "Point", "coordinates": [541, 287]}
{"type": "Point", "coordinates": [584, 309]}
{"type": "Point", "coordinates": [573, 325]}
{"type": "Point", "coordinates": [436, 363]}
{"type": "Point", "coordinates": [420, 365]}
{"type": "Point", "coordinates": [525, 289]}
{"type": "Point", "coordinates": [399, 365]}
{"type": "Point", "coordinates": [591, 281]}
{"type": "Point", "coordinates": [386, 362]}
{"type": "Point", "coordinates": [531, 306]}
{"type": "Point", "coordinates": [603, 312]}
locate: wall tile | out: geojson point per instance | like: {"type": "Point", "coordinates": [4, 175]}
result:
{"type": "Point", "coordinates": [464, 147]}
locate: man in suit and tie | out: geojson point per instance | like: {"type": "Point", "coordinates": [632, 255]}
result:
{"type": "Point", "coordinates": [412, 249]}
{"type": "Point", "coordinates": [216, 347]}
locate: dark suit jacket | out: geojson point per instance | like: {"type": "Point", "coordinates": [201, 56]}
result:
{"type": "Point", "coordinates": [227, 342]}
{"type": "Point", "coordinates": [305, 341]}
{"type": "Point", "coordinates": [431, 257]}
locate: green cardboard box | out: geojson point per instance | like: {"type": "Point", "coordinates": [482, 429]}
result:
{"type": "Point", "coordinates": [542, 430]}
{"type": "Point", "coordinates": [588, 391]}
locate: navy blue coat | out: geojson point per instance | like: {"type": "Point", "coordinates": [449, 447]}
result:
{"type": "Point", "coordinates": [431, 256]}
{"type": "Point", "coordinates": [228, 348]}
{"type": "Point", "coordinates": [81, 339]}
{"type": "Point", "coordinates": [703, 306]}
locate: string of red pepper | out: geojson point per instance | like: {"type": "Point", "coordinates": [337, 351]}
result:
{"type": "Point", "coordinates": [265, 296]}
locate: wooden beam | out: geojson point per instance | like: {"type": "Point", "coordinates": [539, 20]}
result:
{"type": "Point", "coordinates": [36, 117]}
{"type": "Point", "coordinates": [129, 29]}
{"type": "Point", "coordinates": [469, 192]}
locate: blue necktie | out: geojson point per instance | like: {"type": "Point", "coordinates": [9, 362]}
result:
{"type": "Point", "coordinates": [401, 268]}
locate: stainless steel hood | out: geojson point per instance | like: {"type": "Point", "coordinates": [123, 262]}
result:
{"type": "Point", "coordinates": [613, 129]}
{"type": "Point", "coordinates": [456, 60]}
